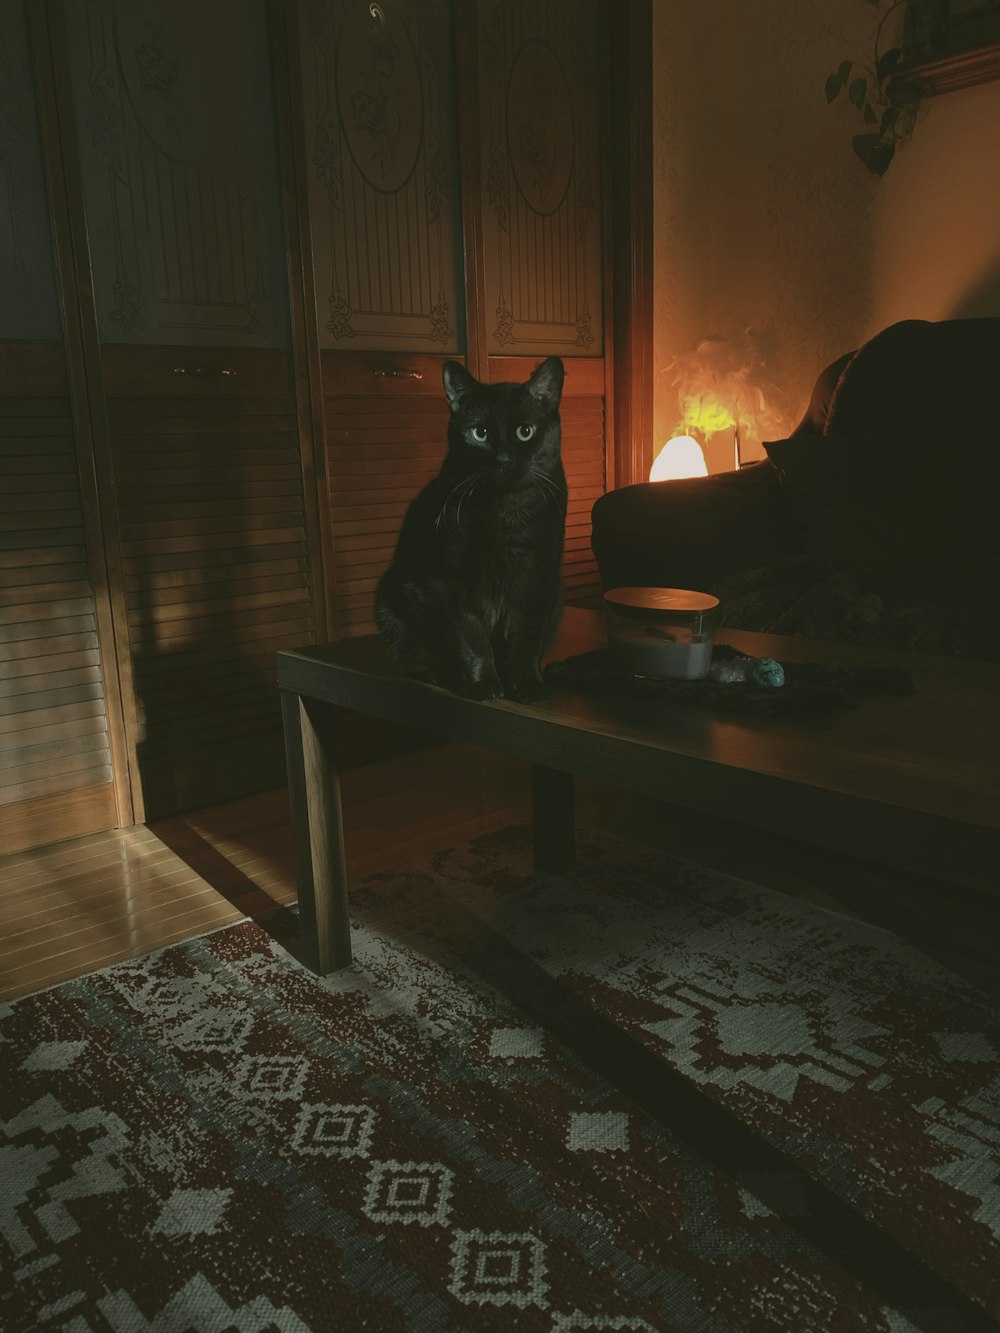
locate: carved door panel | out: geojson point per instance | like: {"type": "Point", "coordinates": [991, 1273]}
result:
{"type": "Point", "coordinates": [176, 141]}
{"type": "Point", "coordinates": [55, 752]}
{"type": "Point", "coordinates": [378, 89]}
{"type": "Point", "coordinates": [541, 82]}
{"type": "Point", "coordinates": [540, 134]}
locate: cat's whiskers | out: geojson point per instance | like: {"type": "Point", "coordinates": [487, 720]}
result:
{"type": "Point", "coordinates": [548, 488]}
{"type": "Point", "coordinates": [467, 492]}
{"type": "Point", "coordinates": [447, 500]}
{"type": "Point", "coordinates": [466, 486]}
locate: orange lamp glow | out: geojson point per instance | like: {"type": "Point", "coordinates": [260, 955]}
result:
{"type": "Point", "coordinates": [680, 457]}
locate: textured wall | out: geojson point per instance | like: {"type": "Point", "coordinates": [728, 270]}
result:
{"type": "Point", "coordinates": [765, 219]}
{"type": "Point", "coordinates": [936, 240]}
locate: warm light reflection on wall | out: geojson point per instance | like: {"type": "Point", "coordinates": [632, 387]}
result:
{"type": "Point", "coordinates": [680, 457]}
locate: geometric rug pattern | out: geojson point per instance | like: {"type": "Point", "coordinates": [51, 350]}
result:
{"type": "Point", "coordinates": [644, 1097]}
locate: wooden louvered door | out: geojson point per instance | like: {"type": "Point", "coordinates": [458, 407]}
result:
{"type": "Point", "coordinates": [209, 490]}
{"type": "Point", "coordinates": [200, 404]}
{"type": "Point", "coordinates": [384, 437]}
{"type": "Point", "coordinates": [55, 757]}
{"type": "Point", "coordinates": [56, 654]}
{"type": "Point", "coordinates": [201, 461]}
{"type": "Point", "coordinates": [430, 241]}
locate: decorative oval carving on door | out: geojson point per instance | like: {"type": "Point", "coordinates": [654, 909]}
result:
{"type": "Point", "coordinates": [168, 58]}
{"type": "Point", "coordinates": [540, 127]}
{"type": "Point", "coordinates": [379, 95]}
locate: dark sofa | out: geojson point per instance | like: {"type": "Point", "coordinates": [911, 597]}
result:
{"type": "Point", "coordinates": [873, 523]}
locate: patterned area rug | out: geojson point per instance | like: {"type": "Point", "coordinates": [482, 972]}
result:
{"type": "Point", "coordinates": [644, 1097]}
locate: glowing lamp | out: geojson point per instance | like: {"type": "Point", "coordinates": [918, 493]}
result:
{"type": "Point", "coordinates": [680, 457]}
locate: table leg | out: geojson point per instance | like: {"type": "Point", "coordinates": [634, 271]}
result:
{"type": "Point", "coordinates": [318, 830]}
{"type": "Point", "coordinates": [554, 818]}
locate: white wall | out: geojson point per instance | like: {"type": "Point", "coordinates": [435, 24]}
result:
{"type": "Point", "coordinates": [764, 218]}
{"type": "Point", "coordinates": [936, 237]}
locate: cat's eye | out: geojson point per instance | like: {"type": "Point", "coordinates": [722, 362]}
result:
{"type": "Point", "coordinates": [479, 434]}
{"type": "Point", "coordinates": [524, 433]}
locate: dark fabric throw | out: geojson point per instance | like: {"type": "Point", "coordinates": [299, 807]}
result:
{"type": "Point", "coordinates": [891, 502]}
{"type": "Point", "coordinates": [811, 689]}
{"type": "Point", "coordinates": [810, 596]}
{"type": "Point", "coordinates": [923, 374]}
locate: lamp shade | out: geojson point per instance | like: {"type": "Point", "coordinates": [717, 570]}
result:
{"type": "Point", "coordinates": [681, 456]}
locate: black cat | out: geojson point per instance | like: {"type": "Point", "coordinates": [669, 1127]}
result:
{"type": "Point", "coordinates": [473, 595]}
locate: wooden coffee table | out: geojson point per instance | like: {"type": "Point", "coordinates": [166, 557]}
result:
{"type": "Point", "coordinates": [909, 783]}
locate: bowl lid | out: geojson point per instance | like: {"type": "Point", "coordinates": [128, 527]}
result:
{"type": "Point", "coordinates": [660, 603]}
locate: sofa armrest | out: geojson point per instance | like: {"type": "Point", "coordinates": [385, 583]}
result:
{"type": "Point", "coordinates": [691, 533]}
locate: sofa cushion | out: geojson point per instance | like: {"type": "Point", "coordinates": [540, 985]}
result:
{"type": "Point", "coordinates": [905, 503]}
{"type": "Point", "coordinates": [686, 534]}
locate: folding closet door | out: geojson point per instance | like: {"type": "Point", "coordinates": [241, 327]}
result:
{"type": "Point", "coordinates": [56, 778]}
{"type": "Point", "coordinates": [455, 204]}
{"type": "Point", "coordinates": [174, 129]}
{"type": "Point", "coordinates": [383, 201]}
{"type": "Point", "coordinates": [542, 114]}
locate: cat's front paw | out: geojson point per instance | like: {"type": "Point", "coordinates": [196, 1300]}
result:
{"type": "Point", "coordinates": [480, 689]}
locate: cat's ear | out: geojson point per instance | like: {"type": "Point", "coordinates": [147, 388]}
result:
{"type": "Point", "coordinates": [457, 383]}
{"type": "Point", "coordinates": [545, 385]}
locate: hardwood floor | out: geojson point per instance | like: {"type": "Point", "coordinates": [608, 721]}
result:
{"type": "Point", "coordinates": [82, 904]}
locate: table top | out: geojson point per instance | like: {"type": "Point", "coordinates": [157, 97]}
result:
{"type": "Point", "coordinates": [931, 755]}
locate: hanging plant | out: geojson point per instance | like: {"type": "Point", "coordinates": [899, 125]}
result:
{"type": "Point", "coordinates": [887, 101]}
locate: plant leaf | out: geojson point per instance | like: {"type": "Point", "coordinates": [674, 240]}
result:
{"type": "Point", "coordinates": [844, 68]}
{"type": "Point", "coordinates": [833, 86]}
{"type": "Point", "coordinates": [857, 91]}
{"type": "Point", "coordinates": [888, 62]}
{"type": "Point", "coordinates": [870, 116]}
{"type": "Point", "coordinates": [875, 154]}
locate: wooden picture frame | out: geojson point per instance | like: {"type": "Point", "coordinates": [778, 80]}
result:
{"type": "Point", "coordinates": [970, 55]}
